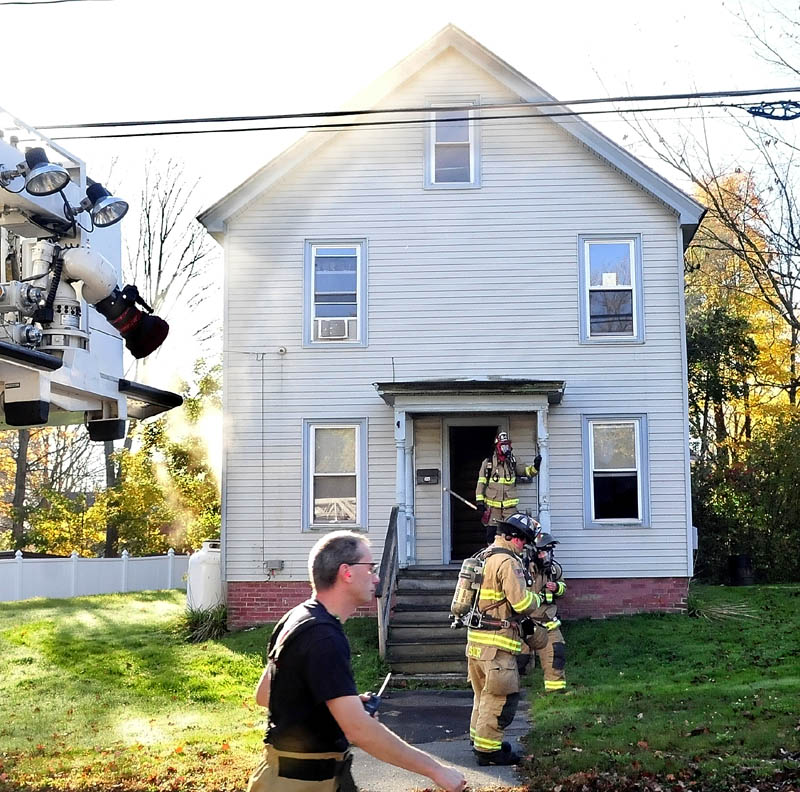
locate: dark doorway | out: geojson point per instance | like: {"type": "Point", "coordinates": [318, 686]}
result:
{"type": "Point", "coordinates": [469, 446]}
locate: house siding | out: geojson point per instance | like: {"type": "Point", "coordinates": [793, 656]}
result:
{"type": "Point", "coordinates": [461, 283]}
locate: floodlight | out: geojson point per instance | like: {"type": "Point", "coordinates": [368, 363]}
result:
{"type": "Point", "coordinates": [42, 176]}
{"type": "Point", "coordinates": [106, 208]}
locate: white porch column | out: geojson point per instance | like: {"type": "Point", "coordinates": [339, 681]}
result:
{"type": "Point", "coordinates": [411, 522]}
{"type": "Point", "coordinates": [543, 439]}
{"type": "Point", "coordinates": [400, 485]}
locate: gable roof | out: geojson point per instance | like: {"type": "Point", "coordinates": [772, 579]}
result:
{"type": "Point", "coordinates": [688, 210]}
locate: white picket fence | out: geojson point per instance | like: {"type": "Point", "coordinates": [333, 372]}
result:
{"type": "Point", "coordinates": [23, 578]}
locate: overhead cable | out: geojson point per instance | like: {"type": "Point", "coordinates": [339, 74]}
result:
{"type": "Point", "coordinates": [401, 122]}
{"type": "Point", "coordinates": [426, 109]}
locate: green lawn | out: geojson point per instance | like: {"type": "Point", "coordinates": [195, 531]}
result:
{"type": "Point", "coordinates": [98, 693]}
{"type": "Point", "coordinates": [666, 693]}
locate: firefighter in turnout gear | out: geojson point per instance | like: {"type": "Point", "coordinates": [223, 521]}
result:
{"type": "Point", "coordinates": [494, 639]}
{"type": "Point", "coordinates": [496, 493]}
{"type": "Point", "coordinates": [546, 641]}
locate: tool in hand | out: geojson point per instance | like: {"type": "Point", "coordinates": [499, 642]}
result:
{"type": "Point", "coordinates": [374, 701]}
{"type": "Point", "coordinates": [463, 500]}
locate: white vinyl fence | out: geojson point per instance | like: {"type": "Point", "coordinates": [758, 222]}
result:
{"type": "Point", "coordinates": [23, 578]}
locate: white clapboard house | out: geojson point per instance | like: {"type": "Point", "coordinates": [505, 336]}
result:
{"type": "Point", "coordinates": [395, 294]}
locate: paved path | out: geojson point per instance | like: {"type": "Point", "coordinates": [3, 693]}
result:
{"type": "Point", "coordinates": [437, 721]}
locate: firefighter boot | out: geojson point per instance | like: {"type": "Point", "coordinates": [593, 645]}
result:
{"type": "Point", "coordinates": [501, 757]}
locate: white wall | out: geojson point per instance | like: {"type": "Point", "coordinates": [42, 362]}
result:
{"type": "Point", "coordinates": [462, 283]}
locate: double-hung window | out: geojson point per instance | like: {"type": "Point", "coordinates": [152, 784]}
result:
{"type": "Point", "coordinates": [611, 289]}
{"type": "Point", "coordinates": [334, 479]}
{"type": "Point", "coordinates": [335, 279]}
{"type": "Point", "coordinates": [616, 470]}
{"type": "Point", "coordinates": [451, 156]}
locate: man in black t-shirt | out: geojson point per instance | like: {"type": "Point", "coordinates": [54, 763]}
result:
{"type": "Point", "coordinates": [315, 711]}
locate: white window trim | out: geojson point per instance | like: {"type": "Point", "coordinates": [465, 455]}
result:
{"type": "Point", "coordinates": [309, 430]}
{"type": "Point", "coordinates": [311, 246]}
{"type": "Point", "coordinates": [430, 146]}
{"type": "Point", "coordinates": [639, 423]}
{"type": "Point", "coordinates": [635, 288]}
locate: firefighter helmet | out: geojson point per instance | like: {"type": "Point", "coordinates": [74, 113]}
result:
{"type": "Point", "coordinates": [521, 525]}
{"type": "Point", "coordinates": [545, 540]}
{"type": "Point", "coordinates": [502, 437]}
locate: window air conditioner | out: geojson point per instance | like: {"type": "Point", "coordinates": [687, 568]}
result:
{"type": "Point", "coordinates": [332, 328]}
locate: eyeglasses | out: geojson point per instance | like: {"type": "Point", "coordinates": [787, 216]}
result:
{"type": "Point", "coordinates": [373, 568]}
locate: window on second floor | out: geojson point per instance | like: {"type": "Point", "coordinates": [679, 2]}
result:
{"type": "Point", "coordinates": [451, 156]}
{"type": "Point", "coordinates": [335, 281]}
{"type": "Point", "coordinates": [611, 289]}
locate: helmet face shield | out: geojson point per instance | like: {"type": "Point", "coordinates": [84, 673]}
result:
{"type": "Point", "coordinates": [503, 444]}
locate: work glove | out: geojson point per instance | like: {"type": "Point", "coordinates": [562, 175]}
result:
{"type": "Point", "coordinates": [486, 516]}
{"type": "Point", "coordinates": [526, 627]}
{"type": "Point", "coordinates": [537, 461]}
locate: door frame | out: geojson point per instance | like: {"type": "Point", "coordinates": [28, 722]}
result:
{"type": "Point", "coordinates": [483, 419]}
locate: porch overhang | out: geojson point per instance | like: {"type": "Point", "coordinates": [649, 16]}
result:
{"type": "Point", "coordinates": [466, 395]}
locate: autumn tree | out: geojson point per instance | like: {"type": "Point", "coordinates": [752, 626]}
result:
{"type": "Point", "coordinates": [167, 259]}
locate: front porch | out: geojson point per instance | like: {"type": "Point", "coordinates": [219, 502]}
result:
{"type": "Point", "coordinates": [443, 429]}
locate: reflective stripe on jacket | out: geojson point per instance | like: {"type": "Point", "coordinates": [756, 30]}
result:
{"type": "Point", "coordinates": [503, 595]}
{"type": "Point", "coordinates": [497, 482]}
{"type": "Point", "coordinates": [547, 613]}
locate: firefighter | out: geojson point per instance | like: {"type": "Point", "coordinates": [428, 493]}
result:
{"type": "Point", "coordinates": [546, 641]}
{"type": "Point", "coordinates": [495, 493]}
{"type": "Point", "coordinates": [494, 639]}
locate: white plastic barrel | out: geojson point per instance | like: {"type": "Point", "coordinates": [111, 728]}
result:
{"type": "Point", "coordinates": [204, 580]}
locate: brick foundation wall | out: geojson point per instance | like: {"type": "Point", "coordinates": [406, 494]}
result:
{"type": "Point", "coordinates": [258, 602]}
{"type": "Point", "coordinates": [261, 601]}
{"type": "Point", "coordinates": [599, 597]}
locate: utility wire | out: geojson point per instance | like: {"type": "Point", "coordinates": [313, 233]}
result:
{"type": "Point", "coordinates": [427, 109]}
{"type": "Point", "coordinates": [401, 122]}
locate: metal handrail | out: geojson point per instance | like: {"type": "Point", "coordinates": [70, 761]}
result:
{"type": "Point", "coordinates": [388, 580]}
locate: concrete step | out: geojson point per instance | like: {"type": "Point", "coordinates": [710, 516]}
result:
{"type": "Point", "coordinates": [433, 634]}
{"type": "Point", "coordinates": [420, 616]}
{"type": "Point", "coordinates": [433, 584]}
{"type": "Point", "coordinates": [416, 667]}
{"type": "Point", "coordinates": [421, 650]}
{"type": "Point", "coordinates": [433, 679]}
{"type": "Point", "coordinates": [432, 600]}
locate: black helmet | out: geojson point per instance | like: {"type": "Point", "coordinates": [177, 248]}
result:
{"type": "Point", "coordinates": [521, 525]}
{"type": "Point", "coordinates": [544, 540]}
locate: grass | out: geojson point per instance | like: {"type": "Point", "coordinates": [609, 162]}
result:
{"type": "Point", "coordinates": [718, 694]}
{"type": "Point", "coordinates": [102, 692]}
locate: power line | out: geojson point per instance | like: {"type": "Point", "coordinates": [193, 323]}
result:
{"type": "Point", "coordinates": [401, 122]}
{"type": "Point", "coordinates": [46, 2]}
{"type": "Point", "coordinates": [426, 109]}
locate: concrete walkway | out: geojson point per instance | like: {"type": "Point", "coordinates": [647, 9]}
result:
{"type": "Point", "coordinates": [437, 721]}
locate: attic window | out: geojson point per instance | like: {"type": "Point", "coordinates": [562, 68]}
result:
{"type": "Point", "coordinates": [451, 152]}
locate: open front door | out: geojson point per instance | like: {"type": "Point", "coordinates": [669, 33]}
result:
{"type": "Point", "coordinates": [468, 446]}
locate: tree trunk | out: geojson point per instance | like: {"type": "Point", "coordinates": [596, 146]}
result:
{"type": "Point", "coordinates": [20, 481]}
{"type": "Point", "coordinates": [111, 549]}
{"type": "Point", "coordinates": [721, 437]}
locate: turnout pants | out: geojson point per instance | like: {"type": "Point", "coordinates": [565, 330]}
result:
{"type": "Point", "coordinates": [553, 657]}
{"type": "Point", "coordinates": [286, 771]}
{"type": "Point", "coordinates": [495, 687]}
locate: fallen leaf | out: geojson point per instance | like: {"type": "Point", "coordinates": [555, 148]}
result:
{"type": "Point", "coordinates": [643, 744]}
